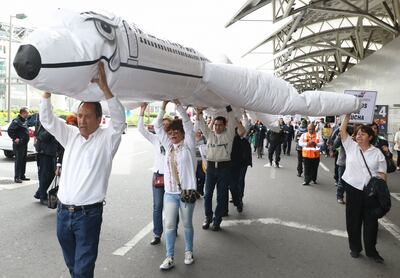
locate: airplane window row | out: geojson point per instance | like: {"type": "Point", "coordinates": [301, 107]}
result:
{"type": "Point", "coordinates": [170, 49]}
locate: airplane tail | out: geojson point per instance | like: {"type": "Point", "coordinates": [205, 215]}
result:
{"type": "Point", "coordinates": [263, 92]}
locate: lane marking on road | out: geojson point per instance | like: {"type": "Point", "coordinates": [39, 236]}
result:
{"type": "Point", "coordinates": [7, 183]}
{"type": "Point", "coordinates": [390, 227]}
{"type": "Point", "coordinates": [386, 223]}
{"type": "Point", "coordinates": [324, 167]}
{"type": "Point", "coordinates": [291, 224]}
{"type": "Point", "coordinates": [396, 196]}
{"type": "Point", "coordinates": [228, 223]}
{"type": "Point", "coordinates": [135, 240]}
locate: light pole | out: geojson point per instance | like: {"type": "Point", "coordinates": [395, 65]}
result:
{"type": "Point", "coordinates": [18, 16]}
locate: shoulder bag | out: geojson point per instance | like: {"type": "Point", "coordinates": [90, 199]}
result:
{"type": "Point", "coordinates": [52, 194]}
{"type": "Point", "coordinates": [377, 194]}
{"type": "Point", "coordinates": [187, 195]}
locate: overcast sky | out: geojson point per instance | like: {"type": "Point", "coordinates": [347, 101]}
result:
{"type": "Point", "coordinates": [198, 24]}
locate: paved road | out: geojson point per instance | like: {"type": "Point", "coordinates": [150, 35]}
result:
{"type": "Point", "coordinates": [285, 230]}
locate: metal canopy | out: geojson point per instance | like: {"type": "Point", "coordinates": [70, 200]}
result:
{"type": "Point", "coordinates": [326, 37]}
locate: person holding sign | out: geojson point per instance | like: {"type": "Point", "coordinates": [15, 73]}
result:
{"type": "Point", "coordinates": [355, 178]}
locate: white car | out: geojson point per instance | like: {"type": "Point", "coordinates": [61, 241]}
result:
{"type": "Point", "coordinates": [6, 143]}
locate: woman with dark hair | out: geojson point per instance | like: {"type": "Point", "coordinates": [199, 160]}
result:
{"type": "Point", "coordinates": [355, 178]}
{"type": "Point", "coordinates": [179, 174]}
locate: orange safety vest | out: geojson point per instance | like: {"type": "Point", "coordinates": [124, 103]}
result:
{"type": "Point", "coordinates": [310, 152]}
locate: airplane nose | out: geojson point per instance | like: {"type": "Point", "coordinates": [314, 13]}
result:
{"type": "Point", "coordinates": [27, 62]}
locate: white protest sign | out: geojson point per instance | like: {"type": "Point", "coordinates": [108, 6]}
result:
{"type": "Point", "coordinates": [366, 113]}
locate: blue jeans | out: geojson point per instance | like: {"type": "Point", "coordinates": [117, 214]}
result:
{"type": "Point", "coordinates": [78, 234]}
{"type": "Point", "coordinates": [172, 205]}
{"type": "Point", "coordinates": [340, 184]}
{"type": "Point", "coordinates": [221, 178]}
{"type": "Point", "coordinates": [158, 196]}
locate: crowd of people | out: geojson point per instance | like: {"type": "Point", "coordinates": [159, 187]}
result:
{"type": "Point", "coordinates": [191, 160]}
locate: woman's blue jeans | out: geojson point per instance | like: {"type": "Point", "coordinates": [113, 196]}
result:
{"type": "Point", "coordinates": [172, 206]}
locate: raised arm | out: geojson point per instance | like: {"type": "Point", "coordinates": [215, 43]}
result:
{"type": "Point", "coordinates": [343, 128]}
{"type": "Point", "coordinates": [187, 125]}
{"type": "Point", "coordinates": [202, 123]}
{"type": "Point", "coordinates": [146, 134]}
{"type": "Point", "coordinates": [232, 122]}
{"type": "Point", "coordinates": [158, 127]}
{"type": "Point", "coordinates": [59, 129]}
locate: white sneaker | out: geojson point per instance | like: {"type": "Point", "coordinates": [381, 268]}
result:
{"type": "Point", "coordinates": [168, 263]}
{"type": "Point", "coordinates": [189, 257]}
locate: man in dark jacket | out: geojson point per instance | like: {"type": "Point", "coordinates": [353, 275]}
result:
{"type": "Point", "coordinates": [19, 134]}
{"type": "Point", "coordinates": [47, 148]}
{"type": "Point", "coordinates": [275, 145]}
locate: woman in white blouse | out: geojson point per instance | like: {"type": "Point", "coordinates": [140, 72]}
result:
{"type": "Point", "coordinates": [179, 174]}
{"type": "Point", "coordinates": [356, 177]}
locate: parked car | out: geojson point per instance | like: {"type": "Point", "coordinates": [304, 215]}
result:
{"type": "Point", "coordinates": [6, 143]}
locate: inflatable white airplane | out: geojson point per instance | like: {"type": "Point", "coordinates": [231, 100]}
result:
{"type": "Point", "coordinates": [63, 59]}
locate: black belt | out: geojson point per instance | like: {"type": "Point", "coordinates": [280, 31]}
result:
{"type": "Point", "coordinates": [73, 208]}
{"type": "Point", "coordinates": [218, 164]}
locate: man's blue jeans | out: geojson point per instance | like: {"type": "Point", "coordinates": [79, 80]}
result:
{"type": "Point", "coordinates": [219, 177]}
{"type": "Point", "coordinates": [172, 205]}
{"type": "Point", "coordinates": [78, 234]}
{"type": "Point", "coordinates": [158, 201]}
{"type": "Point", "coordinates": [340, 184]}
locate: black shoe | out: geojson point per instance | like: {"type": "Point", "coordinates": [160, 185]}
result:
{"type": "Point", "coordinates": [315, 182]}
{"type": "Point", "coordinates": [25, 179]}
{"type": "Point", "coordinates": [44, 202]}
{"type": "Point", "coordinates": [240, 207]}
{"type": "Point", "coordinates": [377, 258]}
{"type": "Point", "coordinates": [17, 180]}
{"type": "Point", "coordinates": [36, 196]}
{"type": "Point", "coordinates": [206, 224]}
{"type": "Point", "coordinates": [156, 240]}
{"type": "Point", "coordinates": [355, 254]}
{"type": "Point", "coordinates": [231, 201]}
{"type": "Point", "coordinates": [277, 165]}
{"type": "Point", "coordinates": [299, 174]}
{"type": "Point", "coordinates": [305, 183]}
{"type": "Point", "coordinates": [215, 227]}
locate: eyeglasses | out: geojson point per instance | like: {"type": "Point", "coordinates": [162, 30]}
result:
{"type": "Point", "coordinates": [174, 132]}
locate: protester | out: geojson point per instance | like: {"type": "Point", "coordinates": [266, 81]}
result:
{"type": "Point", "coordinates": [381, 143]}
{"type": "Point", "coordinates": [201, 142]}
{"type": "Point", "coordinates": [179, 175]}
{"type": "Point", "coordinates": [47, 149]}
{"type": "Point", "coordinates": [19, 134]}
{"type": "Point", "coordinates": [341, 164]}
{"type": "Point", "coordinates": [397, 148]}
{"type": "Point", "coordinates": [356, 177]}
{"type": "Point", "coordinates": [275, 144]}
{"type": "Point", "coordinates": [158, 174]}
{"type": "Point", "coordinates": [219, 147]}
{"type": "Point", "coordinates": [326, 133]}
{"type": "Point", "coordinates": [302, 129]}
{"type": "Point", "coordinates": [241, 158]}
{"type": "Point", "coordinates": [260, 132]}
{"type": "Point", "coordinates": [287, 137]}
{"type": "Point", "coordinates": [87, 163]}
{"type": "Point", "coordinates": [310, 143]}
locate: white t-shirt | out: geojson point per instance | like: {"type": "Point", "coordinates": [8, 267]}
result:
{"type": "Point", "coordinates": [356, 173]}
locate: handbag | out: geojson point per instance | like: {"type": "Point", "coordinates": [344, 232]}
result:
{"type": "Point", "coordinates": [187, 195]}
{"type": "Point", "coordinates": [158, 180]}
{"type": "Point", "coordinates": [390, 165]}
{"type": "Point", "coordinates": [52, 194]}
{"type": "Point", "coordinates": [377, 194]}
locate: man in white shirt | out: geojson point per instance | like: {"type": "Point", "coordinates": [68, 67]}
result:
{"type": "Point", "coordinates": [87, 163]}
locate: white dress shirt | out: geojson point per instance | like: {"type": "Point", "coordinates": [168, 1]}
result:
{"type": "Point", "coordinates": [87, 163]}
{"type": "Point", "coordinates": [185, 155]}
{"type": "Point", "coordinates": [153, 138]}
{"type": "Point", "coordinates": [356, 173]}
